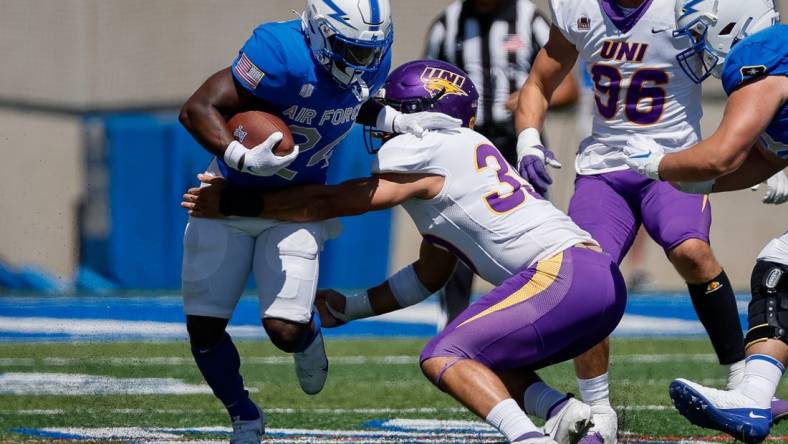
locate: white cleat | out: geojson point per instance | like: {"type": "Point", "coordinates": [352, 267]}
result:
{"type": "Point", "coordinates": [249, 432]}
{"type": "Point", "coordinates": [571, 423]}
{"type": "Point", "coordinates": [311, 365]}
{"type": "Point", "coordinates": [728, 411]}
{"type": "Point", "coordinates": [605, 424]}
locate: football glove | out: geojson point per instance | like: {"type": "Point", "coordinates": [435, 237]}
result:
{"type": "Point", "coordinates": [260, 160]}
{"type": "Point", "coordinates": [532, 156]}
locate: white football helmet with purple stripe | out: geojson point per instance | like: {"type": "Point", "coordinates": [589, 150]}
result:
{"type": "Point", "coordinates": [348, 37]}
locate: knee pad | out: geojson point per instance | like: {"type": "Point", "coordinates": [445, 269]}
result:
{"type": "Point", "coordinates": [768, 310]}
{"type": "Point", "coordinates": [205, 332]}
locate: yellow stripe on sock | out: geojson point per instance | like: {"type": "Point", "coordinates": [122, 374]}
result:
{"type": "Point", "coordinates": [546, 273]}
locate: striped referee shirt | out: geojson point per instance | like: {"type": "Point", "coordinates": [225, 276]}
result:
{"type": "Point", "coordinates": [496, 50]}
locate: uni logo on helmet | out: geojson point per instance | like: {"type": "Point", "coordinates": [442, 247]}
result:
{"type": "Point", "coordinates": [440, 81]}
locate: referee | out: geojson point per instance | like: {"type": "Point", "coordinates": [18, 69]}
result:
{"type": "Point", "coordinates": [495, 42]}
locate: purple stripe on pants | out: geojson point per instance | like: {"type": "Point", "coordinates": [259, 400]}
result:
{"type": "Point", "coordinates": [582, 305]}
{"type": "Point", "coordinates": [611, 207]}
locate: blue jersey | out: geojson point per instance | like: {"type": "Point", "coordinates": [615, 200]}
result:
{"type": "Point", "coordinates": [762, 54]}
{"type": "Point", "coordinates": [277, 66]}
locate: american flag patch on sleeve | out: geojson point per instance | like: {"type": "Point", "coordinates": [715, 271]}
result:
{"type": "Point", "coordinates": [247, 72]}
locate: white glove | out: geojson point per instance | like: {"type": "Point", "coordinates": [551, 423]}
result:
{"type": "Point", "coordinates": [260, 160]}
{"type": "Point", "coordinates": [393, 121]}
{"type": "Point", "coordinates": [643, 155]}
{"type": "Point", "coordinates": [776, 189]}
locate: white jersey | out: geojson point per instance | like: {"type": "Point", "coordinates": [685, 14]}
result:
{"type": "Point", "coordinates": [638, 83]}
{"type": "Point", "coordinates": [776, 250]}
{"type": "Point", "coordinates": [486, 213]}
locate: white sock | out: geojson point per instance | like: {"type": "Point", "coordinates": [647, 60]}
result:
{"type": "Point", "coordinates": [507, 417]}
{"type": "Point", "coordinates": [735, 374]}
{"type": "Point", "coordinates": [539, 398]}
{"type": "Point", "coordinates": [762, 375]}
{"type": "Point", "coordinates": [595, 391]}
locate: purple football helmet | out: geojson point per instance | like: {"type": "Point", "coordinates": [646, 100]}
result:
{"type": "Point", "coordinates": [430, 85]}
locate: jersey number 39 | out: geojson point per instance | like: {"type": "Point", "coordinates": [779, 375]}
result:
{"type": "Point", "coordinates": [501, 203]}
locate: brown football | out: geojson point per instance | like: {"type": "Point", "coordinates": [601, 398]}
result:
{"type": "Point", "coordinates": [251, 128]}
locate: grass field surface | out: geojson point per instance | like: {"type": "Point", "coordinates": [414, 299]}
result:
{"type": "Point", "coordinates": [153, 392]}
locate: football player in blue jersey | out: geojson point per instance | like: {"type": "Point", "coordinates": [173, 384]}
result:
{"type": "Point", "coordinates": [739, 42]}
{"type": "Point", "coordinates": [315, 73]}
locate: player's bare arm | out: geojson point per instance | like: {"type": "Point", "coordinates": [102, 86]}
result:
{"type": "Point", "coordinates": [433, 269]}
{"type": "Point", "coordinates": [749, 111]}
{"type": "Point", "coordinates": [553, 63]}
{"type": "Point", "coordinates": [204, 112]}
{"type": "Point", "coordinates": [759, 166]}
{"type": "Point", "coordinates": [311, 202]}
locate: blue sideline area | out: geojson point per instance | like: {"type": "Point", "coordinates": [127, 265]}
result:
{"type": "Point", "coordinates": [155, 317]}
{"type": "Point", "coordinates": [132, 228]}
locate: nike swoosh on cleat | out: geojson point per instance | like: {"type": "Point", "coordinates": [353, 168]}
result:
{"type": "Point", "coordinates": [658, 30]}
{"type": "Point", "coordinates": [641, 156]}
{"type": "Point", "coordinates": [754, 416]}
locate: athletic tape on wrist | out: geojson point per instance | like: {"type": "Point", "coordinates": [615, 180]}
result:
{"type": "Point", "coordinates": [527, 138]}
{"type": "Point", "coordinates": [233, 154]}
{"type": "Point", "coordinates": [357, 306]}
{"type": "Point", "coordinates": [407, 288]}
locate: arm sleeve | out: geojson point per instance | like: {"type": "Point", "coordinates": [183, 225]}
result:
{"type": "Point", "coordinates": [435, 40]}
{"type": "Point", "coordinates": [261, 64]}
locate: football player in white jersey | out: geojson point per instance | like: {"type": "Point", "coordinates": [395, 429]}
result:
{"type": "Point", "coordinates": [640, 87]}
{"type": "Point", "coordinates": [557, 294]}
{"type": "Point", "coordinates": [740, 43]}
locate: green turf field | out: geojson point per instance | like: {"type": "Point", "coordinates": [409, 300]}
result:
{"type": "Point", "coordinates": [369, 380]}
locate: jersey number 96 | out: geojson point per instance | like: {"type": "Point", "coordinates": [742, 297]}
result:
{"type": "Point", "coordinates": [644, 100]}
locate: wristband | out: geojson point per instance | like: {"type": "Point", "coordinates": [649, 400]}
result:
{"type": "Point", "coordinates": [407, 288]}
{"type": "Point", "coordinates": [357, 306]}
{"type": "Point", "coordinates": [240, 202]}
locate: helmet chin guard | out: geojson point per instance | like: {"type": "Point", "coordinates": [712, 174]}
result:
{"type": "Point", "coordinates": [348, 37]}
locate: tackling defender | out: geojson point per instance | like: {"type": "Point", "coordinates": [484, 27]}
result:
{"type": "Point", "coordinates": [750, 145]}
{"type": "Point", "coordinates": [557, 294]}
{"type": "Point", "coordinates": [315, 73]}
{"type": "Point", "coordinates": [640, 87]}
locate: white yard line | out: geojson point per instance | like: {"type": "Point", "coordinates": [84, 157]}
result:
{"type": "Point", "coordinates": [288, 410]}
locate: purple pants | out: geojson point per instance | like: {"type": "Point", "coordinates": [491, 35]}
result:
{"type": "Point", "coordinates": [543, 315]}
{"type": "Point", "coordinates": [611, 207]}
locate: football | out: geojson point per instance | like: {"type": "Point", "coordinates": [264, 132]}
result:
{"type": "Point", "coordinates": [253, 127]}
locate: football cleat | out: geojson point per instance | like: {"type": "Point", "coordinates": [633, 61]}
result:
{"type": "Point", "coordinates": [726, 411]}
{"type": "Point", "coordinates": [571, 423]}
{"type": "Point", "coordinates": [311, 363]}
{"type": "Point", "coordinates": [592, 438]}
{"type": "Point", "coordinates": [605, 425]}
{"type": "Point", "coordinates": [249, 432]}
{"type": "Point", "coordinates": [534, 438]}
{"type": "Point", "coordinates": [779, 410]}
